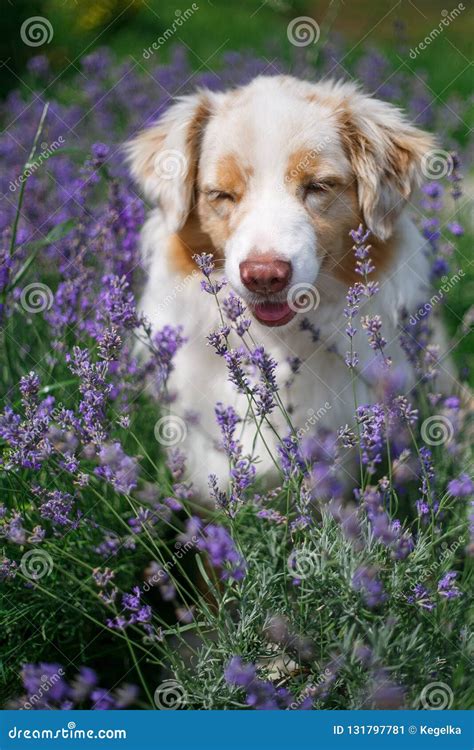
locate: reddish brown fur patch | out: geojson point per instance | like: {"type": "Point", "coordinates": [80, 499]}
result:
{"type": "Point", "coordinates": [231, 176]}
{"type": "Point", "coordinates": [214, 225]}
{"type": "Point", "coordinates": [332, 227]}
{"type": "Point", "coordinates": [355, 143]}
{"type": "Point", "coordinates": [301, 164]}
{"type": "Point", "coordinates": [194, 136]}
{"type": "Point", "coordinates": [189, 241]}
{"type": "Point", "coordinates": [381, 253]}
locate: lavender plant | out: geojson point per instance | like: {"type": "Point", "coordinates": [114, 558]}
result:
{"type": "Point", "coordinates": [292, 598]}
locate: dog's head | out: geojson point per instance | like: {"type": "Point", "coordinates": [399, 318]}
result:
{"type": "Point", "coordinates": [275, 174]}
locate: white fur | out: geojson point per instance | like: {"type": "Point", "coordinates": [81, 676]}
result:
{"type": "Point", "coordinates": [271, 120]}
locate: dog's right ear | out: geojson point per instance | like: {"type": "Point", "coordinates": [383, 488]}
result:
{"type": "Point", "coordinates": [164, 158]}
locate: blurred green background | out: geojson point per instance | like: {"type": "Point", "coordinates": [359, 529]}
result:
{"type": "Point", "coordinates": [259, 27]}
{"type": "Point", "coordinates": [129, 26]}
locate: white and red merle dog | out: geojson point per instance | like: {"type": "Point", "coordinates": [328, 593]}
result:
{"type": "Point", "coordinates": [270, 178]}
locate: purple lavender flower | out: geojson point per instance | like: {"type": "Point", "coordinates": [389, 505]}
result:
{"type": "Point", "coordinates": [205, 263]}
{"type": "Point", "coordinates": [427, 502]}
{"type": "Point", "coordinates": [164, 346]}
{"type": "Point", "coordinates": [365, 581]}
{"type": "Point", "coordinates": [306, 325]}
{"type": "Point", "coordinates": [455, 177]}
{"type": "Point", "coordinates": [118, 303]}
{"type": "Point", "coordinates": [100, 151]}
{"type": "Point", "coordinates": [373, 326]}
{"type": "Point", "coordinates": [385, 694]}
{"type": "Point", "coordinates": [47, 688]}
{"type": "Point", "coordinates": [117, 468]}
{"type": "Point", "coordinates": [57, 507]}
{"type": "Point", "coordinates": [8, 569]}
{"type": "Point", "coordinates": [364, 265]}
{"type": "Point", "coordinates": [233, 307]}
{"type": "Point", "coordinates": [235, 360]}
{"type": "Point", "coordinates": [372, 428]}
{"type": "Point", "coordinates": [463, 486]}
{"type": "Point", "coordinates": [223, 553]}
{"type": "Point", "coordinates": [421, 596]}
{"type": "Point", "coordinates": [267, 387]}
{"type": "Point", "coordinates": [447, 587]}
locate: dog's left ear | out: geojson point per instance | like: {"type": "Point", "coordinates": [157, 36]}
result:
{"type": "Point", "coordinates": [386, 155]}
{"type": "Point", "coordinates": [164, 158]}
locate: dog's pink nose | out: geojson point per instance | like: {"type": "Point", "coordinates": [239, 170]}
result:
{"type": "Point", "coordinates": [265, 275]}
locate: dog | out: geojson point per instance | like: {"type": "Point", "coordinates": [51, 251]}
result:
{"type": "Point", "coordinates": [270, 178]}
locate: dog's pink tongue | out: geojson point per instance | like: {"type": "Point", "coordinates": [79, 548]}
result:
{"type": "Point", "coordinates": [273, 313]}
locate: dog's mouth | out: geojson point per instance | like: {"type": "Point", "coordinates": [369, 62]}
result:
{"type": "Point", "coordinates": [273, 313]}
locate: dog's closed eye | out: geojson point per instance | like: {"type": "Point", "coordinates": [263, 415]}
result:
{"type": "Point", "coordinates": [219, 195]}
{"type": "Point", "coordinates": [316, 187]}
